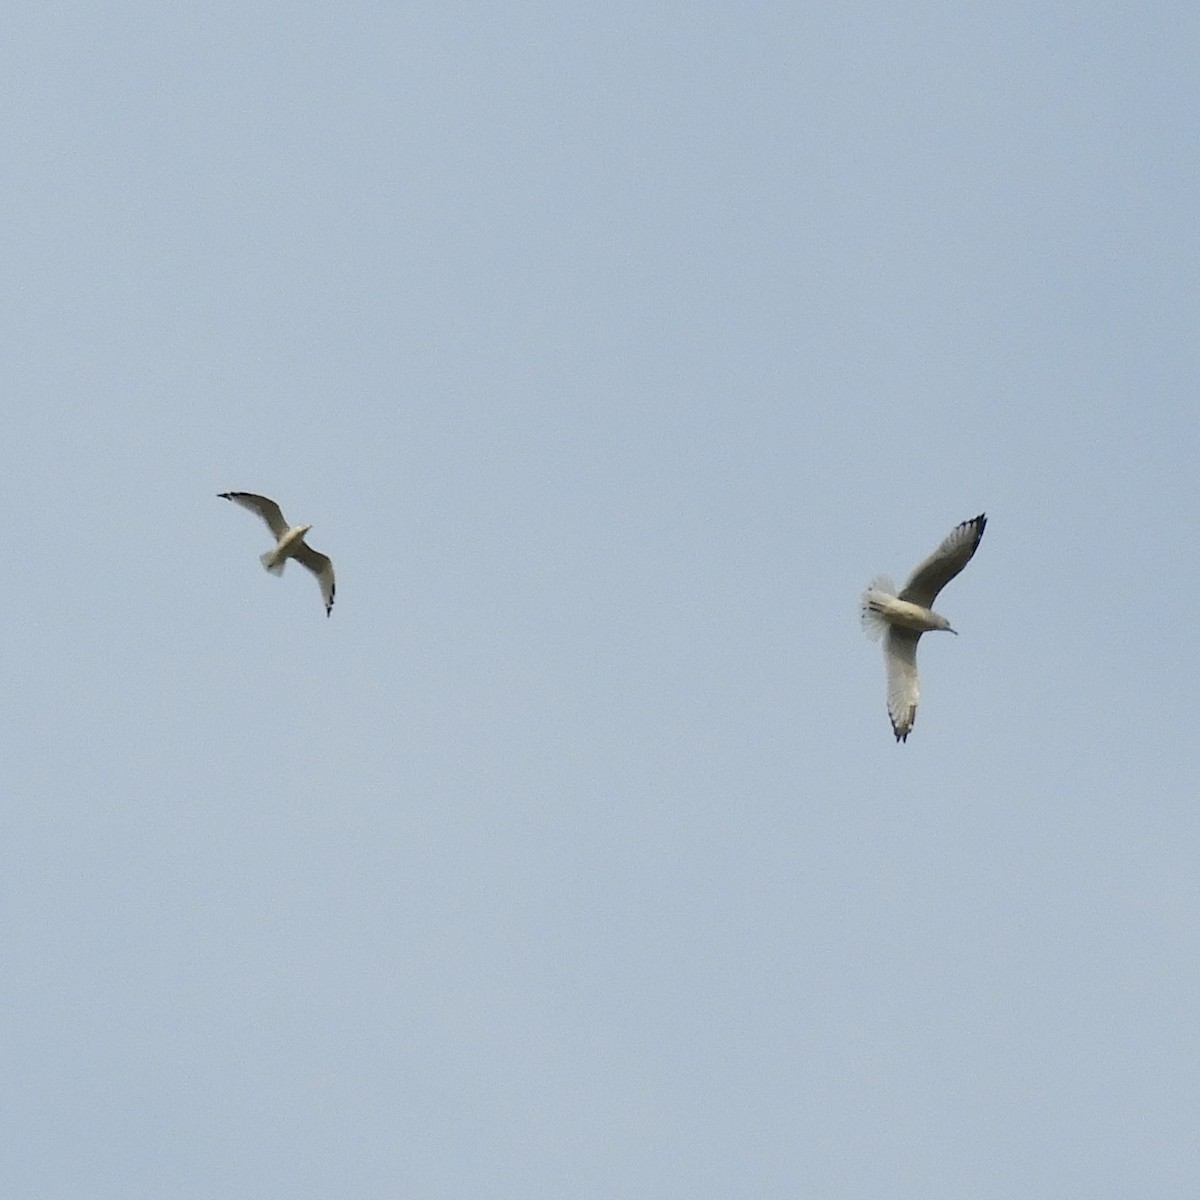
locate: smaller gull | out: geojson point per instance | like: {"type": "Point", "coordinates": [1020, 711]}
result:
{"type": "Point", "coordinates": [289, 543]}
{"type": "Point", "coordinates": [901, 617]}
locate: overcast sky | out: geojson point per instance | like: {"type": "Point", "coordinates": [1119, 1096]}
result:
{"type": "Point", "coordinates": [610, 349]}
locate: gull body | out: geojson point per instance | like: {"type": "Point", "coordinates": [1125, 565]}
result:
{"type": "Point", "coordinates": [287, 546]}
{"type": "Point", "coordinates": [289, 543]}
{"type": "Point", "coordinates": [901, 617]}
{"type": "Point", "coordinates": [903, 614]}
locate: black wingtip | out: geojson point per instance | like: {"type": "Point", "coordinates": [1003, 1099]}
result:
{"type": "Point", "coordinates": [976, 525]}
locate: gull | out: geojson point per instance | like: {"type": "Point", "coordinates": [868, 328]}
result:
{"type": "Point", "coordinates": [289, 543]}
{"type": "Point", "coordinates": [903, 616]}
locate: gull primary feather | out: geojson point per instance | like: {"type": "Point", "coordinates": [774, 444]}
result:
{"type": "Point", "coordinates": [901, 617]}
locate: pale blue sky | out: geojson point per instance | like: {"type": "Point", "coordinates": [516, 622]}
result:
{"type": "Point", "coordinates": [610, 350]}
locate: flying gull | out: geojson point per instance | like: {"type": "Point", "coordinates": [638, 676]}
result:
{"type": "Point", "coordinates": [903, 616]}
{"type": "Point", "coordinates": [289, 543]}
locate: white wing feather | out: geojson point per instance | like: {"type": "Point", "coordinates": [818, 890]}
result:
{"type": "Point", "coordinates": [931, 575]}
{"type": "Point", "coordinates": [903, 687]}
{"type": "Point", "coordinates": [267, 509]}
{"type": "Point", "coordinates": [322, 568]}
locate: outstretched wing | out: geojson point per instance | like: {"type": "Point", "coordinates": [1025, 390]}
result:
{"type": "Point", "coordinates": [322, 568]}
{"type": "Point", "coordinates": [267, 509]}
{"type": "Point", "coordinates": [923, 585]}
{"type": "Point", "coordinates": [903, 688]}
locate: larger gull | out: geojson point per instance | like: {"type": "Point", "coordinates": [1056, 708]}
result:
{"type": "Point", "coordinates": [290, 543]}
{"type": "Point", "coordinates": [902, 617]}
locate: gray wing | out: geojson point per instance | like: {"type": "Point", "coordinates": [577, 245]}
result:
{"type": "Point", "coordinates": [903, 688]}
{"type": "Point", "coordinates": [267, 509]}
{"type": "Point", "coordinates": [322, 568]}
{"type": "Point", "coordinates": [923, 585]}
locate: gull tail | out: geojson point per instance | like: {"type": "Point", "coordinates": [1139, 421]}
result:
{"type": "Point", "coordinates": [269, 561]}
{"type": "Point", "coordinates": [881, 587]}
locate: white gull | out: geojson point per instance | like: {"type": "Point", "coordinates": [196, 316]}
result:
{"type": "Point", "coordinates": [289, 543]}
{"type": "Point", "coordinates": [903, 616]}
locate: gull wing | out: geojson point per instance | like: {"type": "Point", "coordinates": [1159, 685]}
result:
{"type": "Point", "coordinates": [322, 568]}
{"type": "Point", "coordinates": [923, 585]}
{"type": "Point", "coordinates": [267, 509]}
{"type": "Point", "coordinates": [903, 688]}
